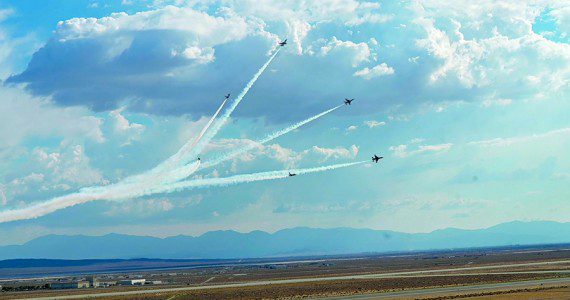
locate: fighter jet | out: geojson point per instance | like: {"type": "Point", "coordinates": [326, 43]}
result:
{"type": "Point", "coordinates": [348, 101]}
{"type": "Point", "coordinates": [376, 158]}
{"type": "Point", "coordinates": [283, 43]}
{"type": "Point", "coordinates": [291, 175]}
{"type": "Point", "coordinates": [228, 96]}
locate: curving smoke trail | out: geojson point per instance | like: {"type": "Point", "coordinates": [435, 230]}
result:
{"type": "Point", "coordinates": [227, 113]}
{"type": "Point", "coordinates": [117, 191]}
{"type": "Point", "coordinates": [173, 169]}
{"type": "Point", "coordinates": [269, 138]}
{"type": "Point", "coordinates": [164, 177]}
{"type": "Point", "coordinates": [183, 153]}
{"type": "Point", "coordinates": [174, 160]}
{"type": "Point", "coordinates": [271, 175]}
{"type": "Point", "coordinates": [122, 191]}
{"type": "Point", "coordinates": [44, 208]}
{"type": "Point", "coordinates": [189, 152]}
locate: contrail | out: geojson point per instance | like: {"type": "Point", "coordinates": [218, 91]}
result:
{"type": "Point", "coordinates": [123, 191]}
{"type": "Point", "coordinates": [44, 208]}
{"type": "Point", "coordinates": [271, 175]}
{"type": "Point", "coordinates": [189, 152]}
{"type": "Point", "coordinates": [139, 185]}
{"type": "Point", "coordinates": [227, 113]}
{"type": "Point", "coordinates": [182, 154]}
{"type": "Point", "coordinates": [173, 161]}
{"type": "Point", "coordinates": [267, 139]}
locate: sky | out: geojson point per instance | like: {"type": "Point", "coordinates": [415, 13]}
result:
{"type": "Point", "coordinates": [467, 101]}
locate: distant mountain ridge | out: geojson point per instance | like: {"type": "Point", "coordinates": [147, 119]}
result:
{"type": "Point", "coordinates": [300, 241]}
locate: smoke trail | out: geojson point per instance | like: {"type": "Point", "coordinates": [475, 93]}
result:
{"type": "Point", "coordinates": [183, 152]}
{"type": "Point", "coordinates": [267, 139]}
{"type": "Point", "coordinates": [226, 115]}
{"type": "Point", "coordinates": [180, 173]}
{"type": "Point", "coordinates": [123, 191]}
{"type": "Point", "coordinates": [190, 151]}
{"type": "Point", "coordinates": [44, 208]}
{"type": "Point", "coordinates": [172, 161]}
{"type": "Point", "coordinates": [271, 175]}
{"type": "Point", "coordinates": [139, 185]}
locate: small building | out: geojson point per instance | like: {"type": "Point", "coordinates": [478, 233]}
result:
{"type": "Point", "coordinates": [69, 285]}
{"type": "Point", "coordinates": [133, 282]}
{"type": "Point", "coordinates": [93, 282]}
{"type": "Point", "coordinates": [106, 283]}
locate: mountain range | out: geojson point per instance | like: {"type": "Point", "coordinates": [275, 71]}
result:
{"type": "Point", "coordinates": [300, 241]}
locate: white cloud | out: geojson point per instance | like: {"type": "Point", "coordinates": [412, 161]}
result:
{"type": "Point", "coordinates": [336, 153]}
{"type": "Point", "coordinates": [69, 165]}
{"type": "Point", "coordinates": [357, 53]}
{"type": "Point", "coordinates": [207, 30]}
{"type": "Point", "coordinates": [380, 70]}
{"type": "Point", "coordinates": [373, 123]}
{"type": "Point", "coordinates": [286, 156]}
{"type": "Point", "coordinates": [493, 46]}
{"type": "Point", "coordinates": [124, 127]}
{"type": "Point", "coordinates": [24, 117]}
{"type": "Point", "coordinates": [200, 55]}
{"type": "Point", "coordinates": [403, 151]}
{"type": "Point", "coordinates": [351, 128]}
{"type": "Point", "coordinates": [497, 102]}
{"type": "Point", "coordinates": [505, 142]}
{"type": "Point", "coordinates": [5, 13]}
{"type": "Point", "coordinates": [370, 18]}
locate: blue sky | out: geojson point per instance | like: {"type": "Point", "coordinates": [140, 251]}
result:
{"type": "Point", "coordinates": [468, 102]}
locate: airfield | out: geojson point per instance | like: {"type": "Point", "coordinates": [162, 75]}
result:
{"type": "Point", "coordinates": [534, 272]}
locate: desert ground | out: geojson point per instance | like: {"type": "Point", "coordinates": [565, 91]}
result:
{"type": "Point", "coordinates": [534, 272]}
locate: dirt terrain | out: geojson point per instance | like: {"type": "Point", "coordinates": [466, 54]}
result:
{"type": "Point", "coordinates": [340, 276]}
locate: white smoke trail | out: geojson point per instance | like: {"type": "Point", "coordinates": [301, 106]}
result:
{"type": "Point", "coordinates": [267, 139]}
{"type": "Point", "coordinates": [44, 208]}
{"type": "Point", "coordinates": [182, 154]}
{"type": "Point", "coordinates": [227, 113]}
{"type": "Point", "coordinates": [271, 175]}
{"type": "Point", "coordinates": [123, 191]}
{"type": "Point", "coordinates": [139, 185]}
{"type": "Point", "coordinates": [189, 152]}
{"type": "Point", "coordinates": [174, 160]}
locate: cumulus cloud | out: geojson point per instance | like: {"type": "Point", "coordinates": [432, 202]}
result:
{"type": "Point", "coordinates": [467, 53]}
{"type": "Point", "coordinates": [380, 70]}
{"type": "Point", "coordinates": [125, 57]}
{"type": "Point", "coordinates": [351, 128]}
{"type": "Point", "coordinates": [487, 58]}
{"type": "Point", "coordinates": [24, 117]}
{"type": "Point", "coordinates": [358, 52]}
{"type": "Point", "coordinates": [205, 29]}
{"type": "Point", "coordinates": [336, 153]}
{"type": "Point", "coordinates": [403, 151]}
{"type": "Point", "coordinates": [124, 127]}
{"type": "Point", "coordinates": [276, 152]}
{"type": "Point", "coordinates": [373, 123]}
{"type": "Point", "coordinates": [69, 165]}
